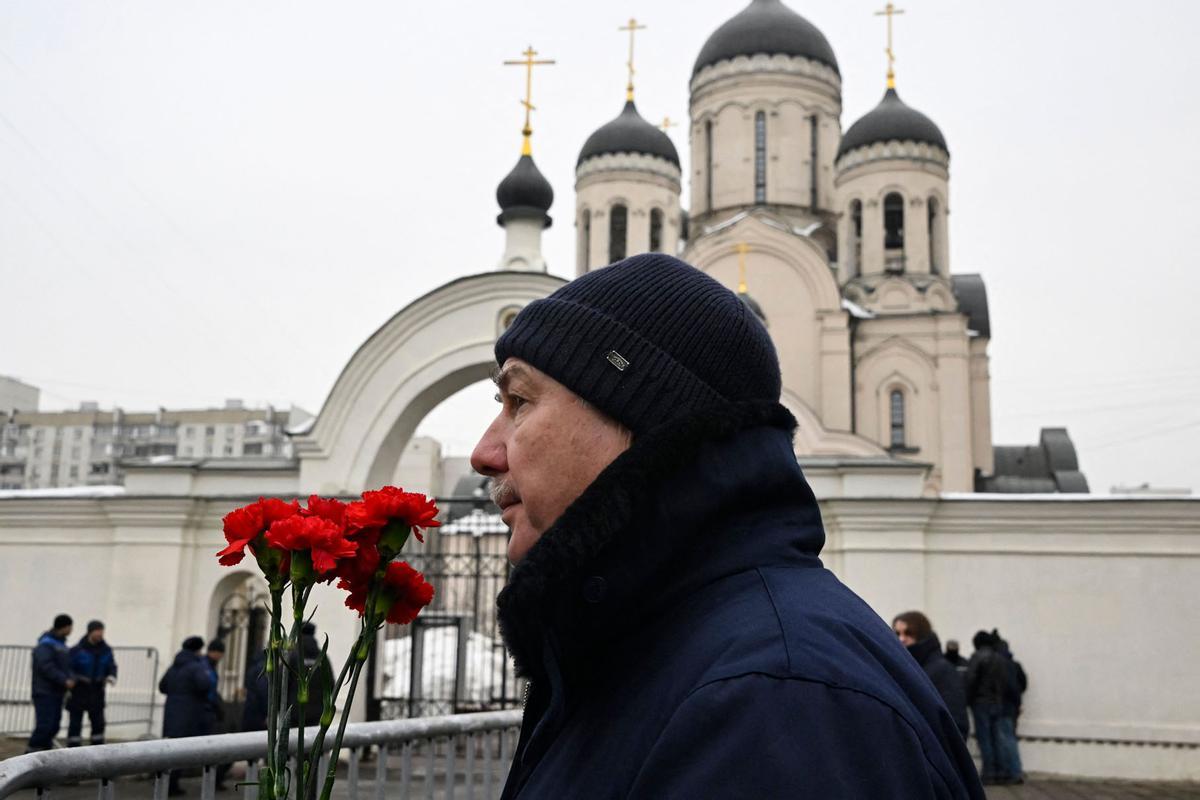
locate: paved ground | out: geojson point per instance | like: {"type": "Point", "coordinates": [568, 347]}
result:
{"type": "Point", "coordinates": [1036, 788]}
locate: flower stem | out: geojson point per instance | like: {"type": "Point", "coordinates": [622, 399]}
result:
{"type": "Point", "coordinates": [266, 785]}
{"type": "Point", "coordinates": [299, 599]}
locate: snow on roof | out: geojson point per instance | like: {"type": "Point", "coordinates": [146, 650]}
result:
{"type": "Point", "coordinates": [1061, 497]}
{"type": "Point", "coordinates": [63, 492]}
{"type": "Point", "coordinates": [856, 310]}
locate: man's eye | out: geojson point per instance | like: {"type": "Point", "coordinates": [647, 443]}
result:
{"type": "Point", "coordinates": [497, 398]}
{"type": "Point", "coordinates": [517, 401]}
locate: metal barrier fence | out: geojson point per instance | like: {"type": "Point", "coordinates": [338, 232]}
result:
{"type": "Point", "coordinates": [130, 701]}
{"type": "Point", "coordinates": [461, 756]}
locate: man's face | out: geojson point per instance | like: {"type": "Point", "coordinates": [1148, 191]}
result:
{"type": "Point", "coordinates": [96, 635]}
{"type": "Point", "coordinates": [215, 655]}
{"type": "Point", "coordinates": [544, 448]}
{"type": "Point", "coordinates": [901, 629]}
{"type": "Point", "coordinates": [66, 630]}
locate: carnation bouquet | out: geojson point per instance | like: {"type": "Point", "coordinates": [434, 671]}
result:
{"type": "Point", "coordinates": [357, 545]}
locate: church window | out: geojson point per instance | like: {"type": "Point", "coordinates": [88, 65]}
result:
{"type": "Point", "coordinates": [708, 165]}
{"type": "Point", "coordinates": [856, 219]}
{"type": "Point", "coordinates": [897, 415]}
{"type": "Point", "coordinates": [893, 231]}
{"type": "Point", "coordinates": [934, 248]}
{"type": "Point", "coordinates": [585, 241]}
{"type": "Point", "coordinates": [812, 162]}
{"type": "Point", "coordinates": [656, 219]}
{"type": "Point", "coordinates": [617, 220]}
{"type": "Point", "coordinates": [760, 157]}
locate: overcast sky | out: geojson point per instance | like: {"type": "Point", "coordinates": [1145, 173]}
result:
{"type": "Point", "coordinates": [201, 200]}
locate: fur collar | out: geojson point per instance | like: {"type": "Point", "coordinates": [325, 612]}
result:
{"type": "Point", "coordinates": [547, 596]}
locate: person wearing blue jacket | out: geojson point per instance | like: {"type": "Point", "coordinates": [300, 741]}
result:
{"type": "Point", "coordinates": [51, 682]}
{"type": "Point", "coordinates": [668, 604]}
{"type": "Point", "coordinates": [94, 668]}
{"type": "Point", "coordinates": [188, 684]}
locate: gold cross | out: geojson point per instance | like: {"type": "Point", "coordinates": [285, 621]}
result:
{"type": "Point", "coordinates": [890, 12]}
{"type": "Point", "coordinates": [742, 249]}
{"type": "Point", "coordinates": [631, 27]}
{"type": "Point", "coordinates": [529, 63]}
{"type": "Point", "coordinates": [667, 123]}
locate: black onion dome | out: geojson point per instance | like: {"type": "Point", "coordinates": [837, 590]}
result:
{"type": "Point", "coordinates": [892, 121]}
{"type": "Point", "coordinates": [766, 26]}
{"type": "Point", "coordinates": [524, 192]}
{"type": "Point", "coordinates": [629, 133]}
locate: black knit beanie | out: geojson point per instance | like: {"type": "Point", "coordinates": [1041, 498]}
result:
{"type": "Point", "coordinates": [193, 644]}
{"type": "Point", "coordinates": [647, 340]}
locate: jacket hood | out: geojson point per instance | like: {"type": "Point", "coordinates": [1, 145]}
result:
{"type": "Point", "coordinates": [680, 508]}
{"type": "Point", "coordinates": [926, 650]}
{"type": "Point", "coordinates": [184, 657]}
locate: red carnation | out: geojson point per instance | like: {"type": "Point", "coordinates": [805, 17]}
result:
{"type": "Point", "coordinates": [244, 525]}
{"type": "Point", "coordinates": [330, 508]}
{"type": "Point", "coordinates": [325, 540]}
{"type": "Point", "coordinates": [403, 594]}
{"type": "Point", "coordinates": [388, 505]}
{"type": "Point", "coordinates": [360, 568]}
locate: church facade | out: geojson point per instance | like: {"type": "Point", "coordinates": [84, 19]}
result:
{"type": "Point", "coordinates": [837, 240]}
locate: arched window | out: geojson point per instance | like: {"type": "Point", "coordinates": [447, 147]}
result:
{"type": "Point", "coordinates": [617, 219]}
{"type": "Point", "coordinates": [897, 415]}
{"type": "Point", "coordinates": [708, 165]}
{"type": "Point", "coordinates": [760, 157]}
{"type": "Point", "coordinates": [855, 243]}
{"type": "Point", "coordinates": [585, 241]}
{"type": "Point", "coordinates": [934, 249]}
{"type": "Point", "coordinates": [893, 232]}
{"type": "Point", "coordinates": [656, 218]}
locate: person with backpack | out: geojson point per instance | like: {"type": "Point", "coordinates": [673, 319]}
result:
{"type": "Point", "coordinates": [1015, 684]}
{"type": "Point", "coordinates": [987, 685]}
{"type": "Point", "coordinates": [94, 668]}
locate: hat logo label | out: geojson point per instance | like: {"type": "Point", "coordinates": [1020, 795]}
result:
{"type": "Point", "coordinates": [617, 360]}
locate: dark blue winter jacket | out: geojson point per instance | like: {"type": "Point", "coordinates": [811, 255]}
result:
{"type": "Point", "coordinates": [51, 665]}
{"type": "Point", "coordinates": [187, 683]}
{"type": "Point", "coordinates": [683, 639]}
{"type": "Point", "coordinates": [92, 664]}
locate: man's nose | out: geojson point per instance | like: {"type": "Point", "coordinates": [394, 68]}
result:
{"type": "Point", "coordinates": [490, 457]}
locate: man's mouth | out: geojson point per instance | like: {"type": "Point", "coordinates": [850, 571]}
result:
{"type": "Point", "coordinates": [504, 496]}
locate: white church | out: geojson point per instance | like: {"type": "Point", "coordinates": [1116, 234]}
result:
{"type": "Point", "coordinates": [837, 237]}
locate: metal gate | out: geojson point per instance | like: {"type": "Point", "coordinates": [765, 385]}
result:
{"type": "Point", "coordinates": [130, 701]}
{"type": "Point", "coordinates": [451, 659]}
{"type": "Point", "coordinates": [242, 625]}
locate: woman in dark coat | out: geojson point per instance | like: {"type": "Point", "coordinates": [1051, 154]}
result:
{"type": "Point", "coordinates": [186, 683]}
{"type": "Point", "coordinates": [916, 634]}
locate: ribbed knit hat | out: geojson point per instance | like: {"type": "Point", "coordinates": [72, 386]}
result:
{"type": "Point", "coordinates": [647, 340]}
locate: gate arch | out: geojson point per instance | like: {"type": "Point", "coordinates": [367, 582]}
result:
{"type": "Point", "coordinates": [435, 346]}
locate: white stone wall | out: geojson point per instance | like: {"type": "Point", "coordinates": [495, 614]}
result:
{"type": "Point", "coordinates": [1095, 595]}
{"type": "Point", "coordinates": [639, 182]}
{"type": "Point", "coordinates": [790, 90]}
{"type": "Point", "coordinates": [917, 172]}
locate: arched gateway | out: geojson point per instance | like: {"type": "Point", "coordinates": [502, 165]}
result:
{"type": "Point", "coordinates": [429, 350]}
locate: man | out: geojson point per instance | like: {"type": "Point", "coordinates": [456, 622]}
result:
{"type": "Point", "coordinates": [214, 704]}
{"type": "Point", "coordinates": [954, 656]}
{"type": "Point", "coordinates": [667, 603]}
{"type": "Point", "coordinates": [51, 681]}
{"type": "Point", "coordinates": [186, 683]}
{"type": "Point", "coordinates": [93, 667]}
{"type": "Point", "coordinates": [1008, 750]}
{"type": "Point", "coordinates": [987, 679]}
{"type": "Point", "coordinates": [915, 632]}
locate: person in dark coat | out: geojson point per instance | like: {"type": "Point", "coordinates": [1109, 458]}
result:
{"type": "Point", "coordinates": [1009, 752]}
{"type": "Point", "coordinates": [255, 709]}
{"type": "Point", "coordinates": [915, 632]}
{"type": "Point", "coordinates": [954, 656]}
{"type": "Point", "coordinates": [51, 682]}
{"type": "Point", "coordinates": [987, 679]}
{"type": "Point", "coordinates": [187, 684]}
{"type": "Point", "coordinates": [93, 667]}
{"type": "Point", "coordinates": [668, 605]}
